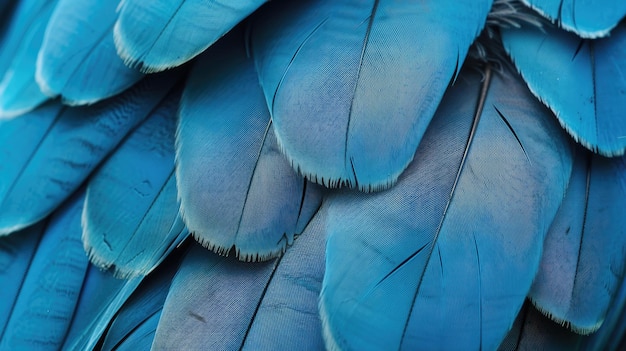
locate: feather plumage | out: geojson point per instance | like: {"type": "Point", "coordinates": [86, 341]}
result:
{"type": "Point", "coordinates": [236, 188]}
{"type": "Point", "coordinates": [407, 267]}
{"type": "Point", "coordinates": [584, 259]}
{"type": "Point", "coordinates": [77, 59]}
{"type": "Point", "coordinates": [131, 212]}
{"type": "Point", "coordinates": [41, 173]}
{"type": "Point", "coordinates": [325, 65]}
{"type": "Point", "coordinates": [588, 19]}
{"type": "Point", "coordinates": [582, 81]}
{"type": "Point", "coordinates": [145, 32]}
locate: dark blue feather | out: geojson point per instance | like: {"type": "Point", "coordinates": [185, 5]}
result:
{"type": "Point", "coordinates": [583, 259]}
{"type": "Point", "coordinates": [453, 248]}
{"type": "Point", "coordinates": [40, 172]}
{"type": "Point", "coordinates": [326, 68]}
{"type": "Point", "coordinates": [236, 188]}
{"type": "Point", "coordinates": [77, 59]}
{"type": "Point", "coordinates": [581, 81]}
{"type": "Point", "coordinates": [145, 32]}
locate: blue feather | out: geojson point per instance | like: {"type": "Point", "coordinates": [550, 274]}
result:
{"type": "Point", "coordinates": [580, 80]}
{"type": "Point", "coordinates": [588, 19]}
{"type": "Point", "coordinates": [453, 248]}
{"type": "Point", "coordinates": [325, 66]}
{"type": "Point", "coordinates": [131, 211]}
{"type": "Point", "coordinates": [77, 59]}
{"type": "Point", "coordinates": [235, 305]}
{"type": "Point", "coordinates": [40, 172]}
{"type": "Point", "coordinates": [613, 328]}
{"type": "Point", "coordinates": [236, 188]}
{"type": "Point", "coordinates": [19, 92]}
{"type": "Point", "coordinates": [16, 254]}
{"type": "Point", "coordinates": [49, 293]}
{"type": "Point", "coordinates": [161, 34]}
{"type": "Point", "coordinates": [583, 257]}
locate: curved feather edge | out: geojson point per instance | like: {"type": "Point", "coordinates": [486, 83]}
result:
{"type": "Point", "coordinates": [514, 135]}
{"type": "Point", "coordinates": [173, 32]}
{"type": "Point", "coordinates": [43, 173]}
{"type": "Point", "coordinates": [323, 88]}
{"type": "Point", "coordinates": [238, 193]}
{"type": "Point", "coordinates": [598, 32]}
{"type": "Point", "coordinates": [77, 59]}
{"type": "Point", "coordinates": [131, 215]}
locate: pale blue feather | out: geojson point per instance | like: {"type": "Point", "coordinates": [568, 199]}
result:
{"type": "Point", "coordinates": [453, 248]}
{"type": "Point", "coordinates": [77, 59]}
{"type": "Point", "coordinates": [236, 188]}
{"type": "Point", "coordinates": [327, 68]}
{"type": "Point", "coordinates": [582, 81]}
{"type": "Point", "coordinates": [161, 34]}
{"type": "Point", "coordinates": [131, 215]}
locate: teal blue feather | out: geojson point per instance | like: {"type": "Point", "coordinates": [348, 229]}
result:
{"type": "Point", "coordinates": [583, 257]}
{"type": "Point", "coordinates": [16, 254]}
{"type": "Point", "coordinates": [234, 305]}
{"type": "Point", "coordinates": [236, 188]}
{"type": "Point", "coordinates": [588, 19]}
{"type": "Point", "coordinates": [19, 92]}
{"type": "Point", "coordinates": [411, 266]}
{"type": "Point", "coordinates": [41, 173]}
{"type": "Point", "coordinates": [325, 67]}
{"type": "Point", "coordinates": [613, 329]}
{"type": "Point", "coordinates": [131, 216]}
{"type": "Point", "coordinates": [162, 34]}
{"type": "Point", "coordinates": [582, 81]}
{"type": "Point", "coordinates": [101, 298]}
{"type": "Point", "coordinates": [77, 59]}
{"type": "Point", "coordinates": [49, 293]}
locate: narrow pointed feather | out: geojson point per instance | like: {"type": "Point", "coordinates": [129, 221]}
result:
{"type": "Point", "coordinates": [581, 81]}
{"type": "Point", "coordinates": [78, 59]}
{"type": "Point", "coordinates": [19, 92]}
{"type": "Point", "coordinates": [327, 68]}
{"type": "Point", "coordinates": [131, 211]}
{"type": "Point", "coordinates": [162, 34]}
{"type": "Point", "coordinates": [142, 307]}
{"type": "Point", "coordinates": [453, 248]}
{"type": "Point", "coordinates": [583, 259]}
{"type": "Point", "coordinates": [236, 188]}
{"type": "Point", "coordinates": [49, 293]}
{"type": "Point", "coordinates": [41, 173]}
{"type": "Point", "coordinates": [533, 331]}
{"type": "Point", "coordinates": [101, 298]}
{"type": "Point", "coordinates": [16, 255]}
{"type": "Point", "coordinates": [143, 336]}
{"type": "Point", "coordinates": [233, 305]}
{"type": "Point", "coordinates": [588, 19]}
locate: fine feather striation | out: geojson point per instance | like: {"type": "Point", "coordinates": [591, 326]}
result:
{"type": "Point", "coordinates": [327, 69]}
{"type": "Point", "coordinates": [162, 34]}
{"type": "Point", "coordinates": [233, 305]}
{"type": "Point", "coordinates": [40, 172]}
{"type": "Point", "coordinates": [236, 188]}
{"type": "Point", "coordinates": [131, 216]}
{"type": "Point", "coordinates": [16, 254]}
{"type": "Point", "coordinates": [50, 290]}
{"type": "Point", "coordinates": [137, 320]}
{"type": "Point", "coordinates": [77, 59]}
{"type": "Point", "coordinates": [581, 81]}
{"type": "Point", "coordinates": [583, 258]}
{"type": "Point", "coordinates": [19, 92]}
{"type": "Point", "coordinates": [588, 19]}
{"type": "Point", "coordinates": [613, 329]}
{"type": "Point", "coordinates": [410, 266]}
